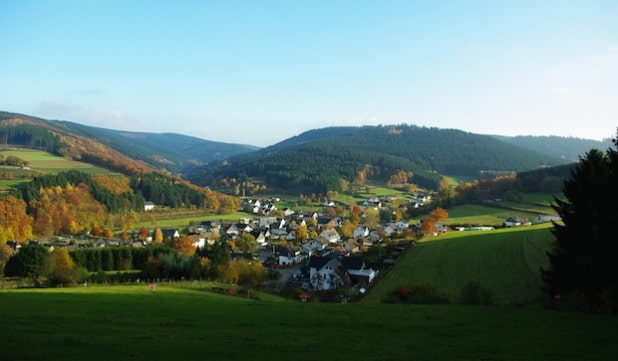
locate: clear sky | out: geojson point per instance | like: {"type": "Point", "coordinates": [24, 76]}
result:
{"type": "Point", "coordinates": [258, 72]}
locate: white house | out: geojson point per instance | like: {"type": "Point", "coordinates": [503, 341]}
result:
{"type": "Point", "coordinates": [326, 273]}
{"type": "Point", "coordinates": [149, 206]}
{"type": "Point", "coordinates": [289, 256]}
{"type": "Point", "coordinates": [402, 225]}
{"type": "Point", "coordinates": [516, 221]}
{"type": "Point", "coordinates": [361, 231]}
{"type": "Point", "coordinates": [261, 239]}
{"type": "Point", "coordinates": [334, 272]}
{"type": "Point", "coordinates": [330, 235]}
{"type": "Point", "coordinates": [313, 246]}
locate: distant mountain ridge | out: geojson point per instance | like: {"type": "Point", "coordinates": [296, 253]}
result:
{"type": "Point", "coordinates": [169, 151]}
{"type": "Point", "coordinates": [313, 161]}
{"type": "Point", "coordinates": [567, 148]}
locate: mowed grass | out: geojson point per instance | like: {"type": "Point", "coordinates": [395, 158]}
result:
{"type": "Point", "coordinates": [132, 323]}
{"type": "Point", "coordinates": [506, 262]}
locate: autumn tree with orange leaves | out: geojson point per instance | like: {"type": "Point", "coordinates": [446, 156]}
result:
{"type": "Point", "coordinates": [184, 245]}
{"type": "Point", "coordinates": [67, 210]}
{"type": "Point", "coordinates": [435, 216]}
{"type": "Point", "coordinates": [15, 223]}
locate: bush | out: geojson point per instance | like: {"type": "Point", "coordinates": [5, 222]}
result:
{"type": "Point", "coordinates": [475, 294]}
{"type": "Point", "coordinates": [422, 293]}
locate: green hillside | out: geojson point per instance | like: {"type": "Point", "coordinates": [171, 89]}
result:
{"type": "Point", "coordinates": [167, 150]}
{"type": "Point", "coordinates": [567, 148]}
{"type": "Point", "coordinates": [317, 160]}
{"type": "Point", "coordinates": [119, 150]}
{"type": "Point", "coordinates": [506, 262]}
{"type": "Point", "coordinates": [133, 323]}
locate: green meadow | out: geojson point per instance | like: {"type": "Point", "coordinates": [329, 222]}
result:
{"type": "Point", "coordinates": [43, 162]}
{"type": "Point", "coordinates": [506, 262]}
{"type": "Point", "coordinates": [165, 221]}
{"type": "Point", "coordinates": [133, 323]}
{"type": "Point", "coordinates": [477, 214]}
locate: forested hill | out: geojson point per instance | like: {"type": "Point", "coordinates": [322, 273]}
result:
{"type": "Point", "coordinates": [168, 150]}
{"type": "Point", "coordinates": [319, 159]}
{"type": "Point", "coordinates": [119, 150]}
{"type": "Point", "coordinates": [567, 148]}
{"type": "Point", "coordinates": [54, 137]}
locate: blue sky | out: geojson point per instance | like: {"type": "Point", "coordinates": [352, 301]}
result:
{"type": "Point", "coordinates": [257, 72]}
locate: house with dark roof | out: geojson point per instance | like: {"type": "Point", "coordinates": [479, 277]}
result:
{"type": "Point", "coordinates": [170, 233]}
{"type": "Point", "coordinates": [517, 221]}
{"type": "Point", "coordinates": [289, 256]}
{"type": "Point", "coordinates": [332, 272]}
{"type": "Point", "coordinates": [326, 273]}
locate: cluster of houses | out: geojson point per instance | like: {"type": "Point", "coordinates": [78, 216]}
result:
{"type": "Point", "coordinates": [330, 257]}
{"type": "Point", "coordinates": [332, 261]}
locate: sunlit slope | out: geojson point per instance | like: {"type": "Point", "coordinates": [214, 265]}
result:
{"type": "Point", "coordinates": [506, 262]}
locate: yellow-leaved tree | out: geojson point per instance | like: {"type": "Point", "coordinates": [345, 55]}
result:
{"type": "Point", "coordinates": [61, 268]}
{"type": "Point", "coordinates": [15, 223]}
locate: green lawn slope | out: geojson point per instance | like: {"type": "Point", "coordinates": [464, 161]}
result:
{"type": "Point", "coordinates": [506, 262]}
{"type": "Point", "coordinates": [132, 323]}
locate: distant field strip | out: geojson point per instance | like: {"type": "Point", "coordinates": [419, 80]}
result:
{"type": "Point", "coordinates": [476, 214]}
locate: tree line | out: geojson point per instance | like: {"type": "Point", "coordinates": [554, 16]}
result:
{"type": "Point", "coordinates": [62, 267]}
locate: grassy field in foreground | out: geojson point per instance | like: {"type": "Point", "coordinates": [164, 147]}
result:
{"type": "Point", "coordinates": [132, 323]}
{"type": "Point", "coordinates": [506, 262]}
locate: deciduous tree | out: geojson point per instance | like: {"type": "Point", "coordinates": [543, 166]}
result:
{"type": "Point", "coordinates": [61, 268]}
{"type": "Point", "coordinates": [15, 223]}
{"type": "Point", "coordinates": [246, 242]}
{"type": "Point", "coordinates": [184, 245]}
{"type": "Point", "coordinates": [158, 236]}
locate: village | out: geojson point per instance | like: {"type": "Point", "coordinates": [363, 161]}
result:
{"type": "Point", "coordinates": [331, 250]}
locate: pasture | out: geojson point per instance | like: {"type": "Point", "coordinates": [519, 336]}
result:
{"type": "Point", "coordinates": [133, 323]}
{"type": "Point", "coordinates": [476, 214]}
{"type": "Point", "coordinates": [506, 262]}
{"type": "Point", "coordinates": [168, 220]}
{"type": "Point", "coordinates": [41, 161]}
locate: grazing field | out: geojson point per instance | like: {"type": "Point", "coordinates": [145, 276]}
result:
{"type": "Point", "coordinates": [165, 221]}
{"type": "Point", "coordinates": [506, 262]}
{"type": "Point", "coordinates": [476, 214]}
{"type": "Point", "coordinates": [133, 323]}
{"type": "Point", "coordinates": [41, 161]}
{"type": "Point", "coordinates": [541, 198]}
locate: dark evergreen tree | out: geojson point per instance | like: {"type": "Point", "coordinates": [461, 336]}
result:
{"type": "Point", "coordinates": [583, 259]}
{"type": "Point", "coordinates": [31, 261]}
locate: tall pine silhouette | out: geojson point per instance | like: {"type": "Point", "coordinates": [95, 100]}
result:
{"type": "Point", "coordinates": [584, 259]}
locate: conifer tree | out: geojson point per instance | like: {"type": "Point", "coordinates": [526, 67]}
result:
{"type": "Point", "coordinates": [583, 259]}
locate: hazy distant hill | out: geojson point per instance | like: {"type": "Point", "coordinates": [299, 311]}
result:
{"type": "Point", "coordinates": [319, 159]}
{"type": "Point", "coordinates": [132, 150]}
{"type": "Point", "coordinates": [567, 148]}
{"type": "Point", "coordinates": [168, 150]}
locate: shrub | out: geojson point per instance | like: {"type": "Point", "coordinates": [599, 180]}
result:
{"type": "Point", "coordinates": [422, 293]}
{"type": "Point", "coordinates": [472, 293]}
{"type": "Point", "coordinates": [426, 293]}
